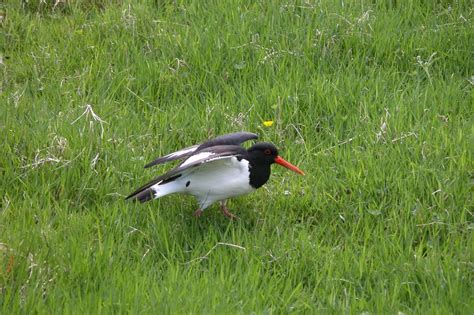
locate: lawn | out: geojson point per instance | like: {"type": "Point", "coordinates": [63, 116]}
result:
{"type": "Point", "coordinates": [372, 99]}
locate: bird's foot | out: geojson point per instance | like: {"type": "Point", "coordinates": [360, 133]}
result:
{"type": "Point", "coordinates": [197, 213]}
{"type": "Point", "coordinates": [228, 214]}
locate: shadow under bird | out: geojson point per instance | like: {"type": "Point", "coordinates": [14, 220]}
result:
{"type": "Point", "coordinates": [215, 170]}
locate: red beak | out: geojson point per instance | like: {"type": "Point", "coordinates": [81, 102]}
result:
{"type": "Point", "coordinates": [288, 165]}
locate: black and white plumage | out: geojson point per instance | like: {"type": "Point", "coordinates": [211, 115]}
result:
{"type": "Point", "coordinates": [236, 138]}
{"type": "Point", "coordinates": [215, 171]}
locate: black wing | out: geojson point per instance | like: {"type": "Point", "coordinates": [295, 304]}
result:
{"type": "Point", "coordinates": [178, 155]}
{"type": "Point", "coordinates": [206, 155]}
{"type": "Point", "coordinates": [236, 138]}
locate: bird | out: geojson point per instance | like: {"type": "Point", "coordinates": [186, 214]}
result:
{"type": "Point", "coordinates": [214, 171]}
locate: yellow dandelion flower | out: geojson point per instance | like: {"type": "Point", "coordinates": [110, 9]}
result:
{"type": "Point", "coordinates": [268, 123]}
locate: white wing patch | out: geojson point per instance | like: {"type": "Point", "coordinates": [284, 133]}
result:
{"type": "Point", "coordinates": [182, 152]}
{"type": "Point", "coordinates": [197, 157]}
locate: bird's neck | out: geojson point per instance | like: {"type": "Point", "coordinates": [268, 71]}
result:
{"type": "Point", "coordinates": [259, 173]}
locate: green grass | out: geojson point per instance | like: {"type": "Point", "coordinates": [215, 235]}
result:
{"type": "Point", "coordinates": [372, 99]}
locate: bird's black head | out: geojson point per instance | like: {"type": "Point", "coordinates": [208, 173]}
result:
{"type": "Point", "coordinates": [261, 155]}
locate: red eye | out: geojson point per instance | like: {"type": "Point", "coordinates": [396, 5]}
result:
{"type": "Point", "coordinates": [267, 152]}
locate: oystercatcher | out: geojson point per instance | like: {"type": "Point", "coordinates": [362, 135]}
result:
{"type": "Point", "coordinates": [215, 171]}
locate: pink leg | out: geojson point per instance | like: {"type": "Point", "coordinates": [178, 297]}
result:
{"type": "Point", "coordinates": [226, 212]}
{"type": "Point", "coordinates": [197, 213]}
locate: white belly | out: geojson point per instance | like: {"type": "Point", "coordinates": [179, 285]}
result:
{"type": "Point", "coordinates": [218, 180]}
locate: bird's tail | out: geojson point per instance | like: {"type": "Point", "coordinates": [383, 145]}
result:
{"type": "Point", "coordinates": [143, 196]}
